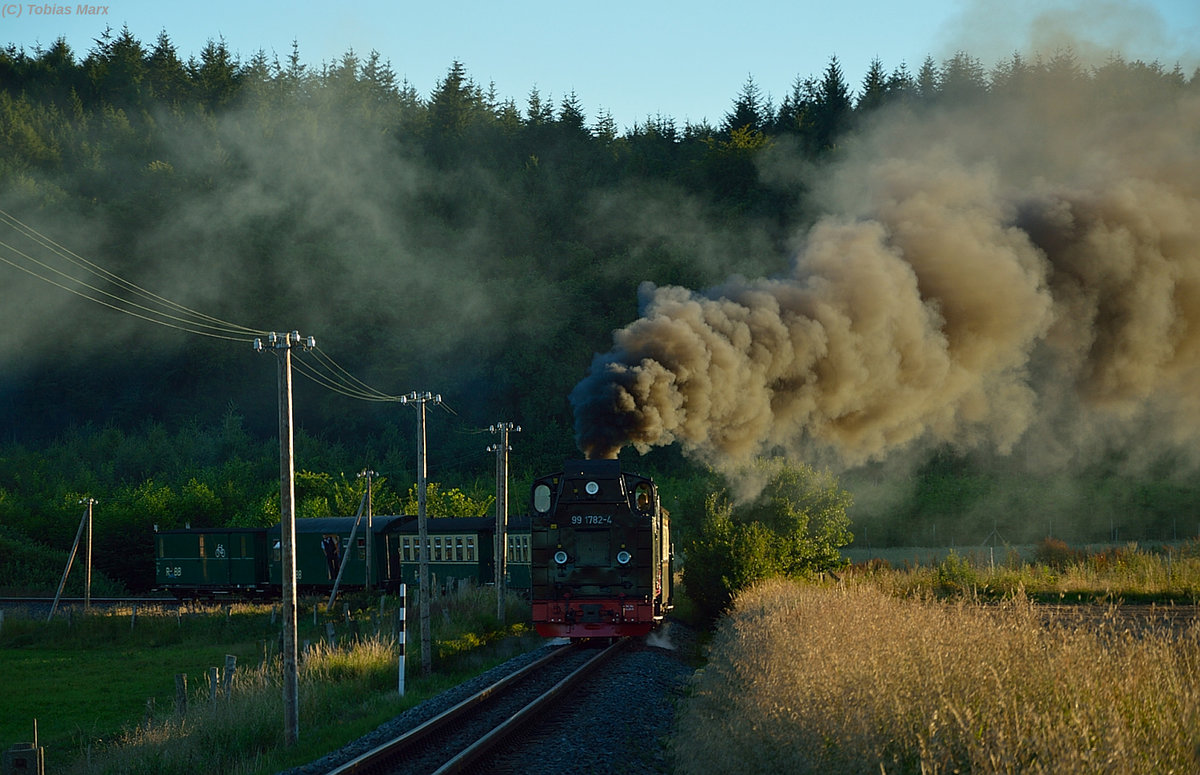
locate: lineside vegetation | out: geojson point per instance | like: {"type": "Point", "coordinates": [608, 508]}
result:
{"type": "Point", "coordinates": [1164, 574]}
{"type": "Point", "coordinates": [102, 684]}
{"type": "Point", "coordinates": [849, 678]}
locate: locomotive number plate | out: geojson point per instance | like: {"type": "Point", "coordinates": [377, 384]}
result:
{"type": "Point", "coordinates": [594, 520]}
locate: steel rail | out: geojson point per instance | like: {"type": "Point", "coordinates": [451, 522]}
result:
{"type": "Point", "coordinates": [373, 758]}
{"type": "Point", "coordinates": [491, 740]}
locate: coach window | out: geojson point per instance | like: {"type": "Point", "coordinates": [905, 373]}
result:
{"type": "Point", "coordinates": [470, 549]}
{"type": "Point", "coordinates": [201, 546]}
{"type": "Point", "coordinates": [458, 549]}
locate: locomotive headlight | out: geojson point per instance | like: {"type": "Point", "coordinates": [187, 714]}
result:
{"type": "Point", "coordinates": [560, 557]}
{"type": "Point", "coordinates": [592, 488]}
{"type": "Point", "coordinates": [623, 557]}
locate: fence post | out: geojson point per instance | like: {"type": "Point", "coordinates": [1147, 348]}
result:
{"type": "Point", "coordinates": [133, 617]}
{"type": "Point", "coordinates": [181, 694]}
{"type": "Point", "coordinates": [212, 684]}
{"type": "Point", "coordinates": [230, 667]}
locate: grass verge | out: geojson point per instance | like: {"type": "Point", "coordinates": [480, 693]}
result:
{"type": "Point", "coordinates": [102, 686]}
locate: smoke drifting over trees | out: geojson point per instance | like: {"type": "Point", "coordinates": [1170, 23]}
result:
{"type": "Point", "coordinates": [954, 258]}
{"type": "Point", "coordinates": [1019, 271]}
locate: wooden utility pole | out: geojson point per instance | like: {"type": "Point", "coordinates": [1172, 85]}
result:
{"type": "Point", "coordinates": [500, 549]}
{"type": "Point", "coordinates": [87, 573]}
{"type": "Point", "coordinates": [84, 523]}
{"type": "Point", "coordinates": [282, 346]}
{"type": "Point", "coordinates": [368, 473]}
{"type": "Point", "coordinates": [420, 399]}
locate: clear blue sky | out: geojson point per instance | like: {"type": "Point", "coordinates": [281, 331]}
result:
{"type": "Point", "coordinates": [686, 60]}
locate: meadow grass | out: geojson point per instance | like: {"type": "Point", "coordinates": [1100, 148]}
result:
{"type": "Point", "coordinates": [1050, 571]}
{"type": "Point", "coordinates": [854, 679]}
{"type": "Point", "coordinates": [103, 691]}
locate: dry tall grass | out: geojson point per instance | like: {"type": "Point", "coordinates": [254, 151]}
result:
{"type": "Point", "coordinates": [852, 680]}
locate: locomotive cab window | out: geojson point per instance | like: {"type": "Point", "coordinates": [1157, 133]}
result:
{"type": "Point", "coordinates": [541, 498]}
{"type": "Point", "coordinates": [643, 497]}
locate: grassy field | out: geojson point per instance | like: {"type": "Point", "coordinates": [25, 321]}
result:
{"type": "Point", "coordinates": [103, 688]}
{"type": "Point", "coordinates": [854, 678]}
{"type": "Point", "coordinates": [1050, 571]}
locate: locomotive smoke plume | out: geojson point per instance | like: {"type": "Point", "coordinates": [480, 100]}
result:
{"type": "Point", "coordinates": [1030, 274]}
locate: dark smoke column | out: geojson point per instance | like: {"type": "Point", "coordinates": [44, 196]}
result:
{"type": "Point", "coordinates": [612, 407]}
{"type": "Point", "coordinates": [877, 338]}
{"type": "Point", "coordinates": [684, 372]}
{"type": "Point", "coordinates": [601, 425]}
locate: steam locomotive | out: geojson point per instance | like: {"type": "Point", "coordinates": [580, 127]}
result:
{"type": "Point", "coordinates": [601, 559]}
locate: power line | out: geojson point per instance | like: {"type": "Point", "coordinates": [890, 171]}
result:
{"type": "Point", "coordinates": [131, 299]}
{"type": "Point", "coordinates": [165, 312]}
{"type": "Point", "coordinates": [326, 372]}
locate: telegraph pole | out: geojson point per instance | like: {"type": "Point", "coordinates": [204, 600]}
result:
{"type": "Point", "coordinates": [500, 551]}
{"type": "Point", "coordinates": [368, 473]}
{"type": "Point", "coordinates": [420, 399]}
{"type": "Point", "coordinates": [282, 347]}
{"type": "Point", "coordinates": [87, 576]}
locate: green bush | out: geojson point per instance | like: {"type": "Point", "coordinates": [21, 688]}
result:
{"type": "Point", "coordinates": [794, 526]}
{"type": "Point", "coordinates": [955, 575]}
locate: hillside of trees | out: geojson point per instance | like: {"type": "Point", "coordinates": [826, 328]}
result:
{"type": "Point", "coordinates": [476, 245]}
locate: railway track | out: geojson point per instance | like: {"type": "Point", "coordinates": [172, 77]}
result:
{"type": "Point", "coordinates": [462, 736]}
{"type": "Point", "coordinates": [97, 601]}
{"type": "Point", "coordinates": [38, 607]}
